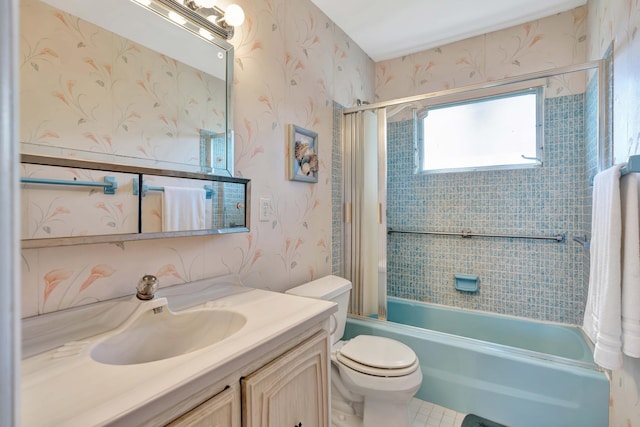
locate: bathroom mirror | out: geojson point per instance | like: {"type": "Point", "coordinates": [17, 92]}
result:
{"type": "Point", "coordinates": [98, 94]}
{"type": "Point", "coordinates": [210, 204]}
{"type": "Point", "coordinates": [69, 202]}
{"type": "Point", "coordinates": [112, 82]}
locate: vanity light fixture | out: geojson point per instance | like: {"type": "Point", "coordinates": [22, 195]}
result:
{"type": "Point", "coordinates": [200, 16]}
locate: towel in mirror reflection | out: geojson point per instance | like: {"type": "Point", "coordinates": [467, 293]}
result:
{"type": "Point", "coordinates": [183, 208]}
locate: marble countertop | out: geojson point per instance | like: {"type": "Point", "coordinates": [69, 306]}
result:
{"type": "Point", "coordinates": [63, 385]}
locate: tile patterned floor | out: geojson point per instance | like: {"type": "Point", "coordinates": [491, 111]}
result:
{"type": "Point", "coordinates": [425, 414]}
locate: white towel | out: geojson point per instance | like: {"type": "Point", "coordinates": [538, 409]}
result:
{"type": "Point", "coordinates": [630, 203]}
{"type": "Point", "coordinates": [602, 317]}
{"type": "Point", "coordinates": [183, 209]}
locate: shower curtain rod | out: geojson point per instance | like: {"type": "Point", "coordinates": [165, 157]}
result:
{"type": "Point", "coordinates": [486, 85]}
{"type": "Point", "coordinates": [560, 237]}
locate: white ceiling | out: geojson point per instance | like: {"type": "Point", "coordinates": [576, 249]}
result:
{"type": "Point", "coordinates": [393, 28]}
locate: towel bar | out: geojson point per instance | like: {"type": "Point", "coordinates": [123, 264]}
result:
{"type": "Point", "coordinates": [110, 185]}
{"type": "Point", "coordinates": [560, 237]}
{"type": "Point", "coordinates": [207, 188]}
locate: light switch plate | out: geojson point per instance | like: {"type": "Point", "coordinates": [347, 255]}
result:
{"type": "Point", "coordinates": [265, 208]}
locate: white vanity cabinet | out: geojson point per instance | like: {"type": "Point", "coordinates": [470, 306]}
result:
{"type": "Point", "coordinates": [273, 371]}
{"type": "Point", "coordinates": [291, 390]}
{"type": "Point", "coordinates": [222, 410]}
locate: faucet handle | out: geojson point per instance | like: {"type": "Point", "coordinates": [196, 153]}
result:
{"type": "Point", "coordinates": [147, 287]}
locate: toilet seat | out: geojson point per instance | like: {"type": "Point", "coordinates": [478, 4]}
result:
{"type": "Point", "coordinates": [378, 356]}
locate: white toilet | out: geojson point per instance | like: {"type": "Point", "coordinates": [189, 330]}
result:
{"type": "Point", "coordinates": [373, 378]}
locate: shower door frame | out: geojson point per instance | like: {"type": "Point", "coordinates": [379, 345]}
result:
{"type": "Point", "coordinates": [354, 264]}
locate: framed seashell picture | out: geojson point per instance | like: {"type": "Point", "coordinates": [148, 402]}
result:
{"type": "Point", "coordinates": [302, 153]}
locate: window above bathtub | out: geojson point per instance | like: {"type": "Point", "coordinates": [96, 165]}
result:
{"type": "Point", "coordinates": [493, 129]}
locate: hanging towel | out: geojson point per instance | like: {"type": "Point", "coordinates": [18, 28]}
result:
{"type": "Point", "coordinates": [630, 204]}
{"type": "Point", "coordinates": [602, 317]}
{"type": "Point", "coordinates": [183, 209]}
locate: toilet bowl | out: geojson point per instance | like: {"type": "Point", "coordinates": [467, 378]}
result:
{"type": "Point", "coordinates": [373, 378]}
{"type": "Point", "coordinates": [385, 372]}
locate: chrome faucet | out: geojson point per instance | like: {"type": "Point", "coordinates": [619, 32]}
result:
{"type": "Point", "coordinates": [147, 287]}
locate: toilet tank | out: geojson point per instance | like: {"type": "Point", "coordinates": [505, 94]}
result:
{"type": "Point", "coordinates": [329, 288]}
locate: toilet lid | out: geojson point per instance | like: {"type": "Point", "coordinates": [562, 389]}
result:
{"type": "Point", "coordinates": [378, 356]}
{"type": "Point", "coordinates": [376, 372]}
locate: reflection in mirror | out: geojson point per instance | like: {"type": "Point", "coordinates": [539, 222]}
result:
{"type": "Point", "coordinates": [213, 151]}
{"type": "Point", "coordinates": [96, 87]}
{"type": "Point", "coordinates": [179, 204]}
{"type": "Point", "coordinates": [230, 206]}
{"type": "Point", "coordinates": [67, 202]}
{"type": "Point", "coordinates": [175, 204]}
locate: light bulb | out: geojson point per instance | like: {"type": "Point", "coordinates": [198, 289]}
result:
{"type": "Point", "coordinates": [177, 18]}
{"type": "Point", "coordinates": [206, 34]}
{"type": "Point", "coordinates": [234, 15]}
{"type": "Point", "coordinates": [208, 4]}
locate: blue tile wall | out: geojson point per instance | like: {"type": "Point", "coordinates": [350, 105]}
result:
{"type": "Point", "coordinates": [538, 279]}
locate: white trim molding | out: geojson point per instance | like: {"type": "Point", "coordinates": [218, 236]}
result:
{"type": "Point", "coordinates": [9, 218]}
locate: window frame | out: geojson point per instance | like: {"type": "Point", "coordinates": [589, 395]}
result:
{"type": "Point", "coordinates": [475, 97]}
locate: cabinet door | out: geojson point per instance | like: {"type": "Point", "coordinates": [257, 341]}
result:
{"type": "Point", "coordinates": [222, 410]}
{"type": "Point", "coordinates": [292, 390]}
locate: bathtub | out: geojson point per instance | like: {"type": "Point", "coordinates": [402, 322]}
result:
{"type": "Point", "coordinates": [517, 372]}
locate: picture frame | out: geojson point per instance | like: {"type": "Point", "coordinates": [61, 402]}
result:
{"type": "Point", "coordinates": [302, 152]}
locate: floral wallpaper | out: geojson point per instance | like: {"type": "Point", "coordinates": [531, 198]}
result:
{"type": "Point", "coordinates": [551, 42]}
{"type": "Point", "coordinates": [618, 22]}
{"type": "Point", "coordinates": [291, 64]}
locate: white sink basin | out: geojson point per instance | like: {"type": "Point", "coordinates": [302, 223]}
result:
{"type": "Point", "coordinates": [158, 336]}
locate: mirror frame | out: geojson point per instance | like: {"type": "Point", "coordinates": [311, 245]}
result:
{"type": "Point", "coordinates": [115, 238]}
